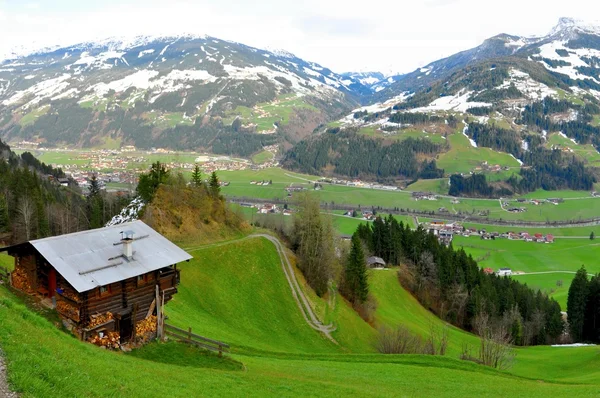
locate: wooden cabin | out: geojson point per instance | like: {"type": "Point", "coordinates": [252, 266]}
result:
{"type": "Point", "coordinates": [114, 274]}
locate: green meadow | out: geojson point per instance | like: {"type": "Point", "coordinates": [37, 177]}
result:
{"type": "Point", "coordinates": [237, 293]}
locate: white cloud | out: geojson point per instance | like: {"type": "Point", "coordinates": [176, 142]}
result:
{"type": "Point", "coordinates": [342, 35]}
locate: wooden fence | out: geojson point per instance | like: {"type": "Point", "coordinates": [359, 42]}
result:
{"type": "Point", "coordinates": [188, 337]}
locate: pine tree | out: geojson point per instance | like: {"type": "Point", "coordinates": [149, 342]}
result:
{"type": "Point", "coordinates": [576, 304]}
{"type": "Point", "coordinates": [4, 221]}
{"type": "Point", "coordinates": [356, 284]}
{"type": "Point", "coordinates": [149, 183]}
{"type": "Point", "coordinates": [197, 176]}
{"type": "Point", "coordinates": [214, 185]}
{"type": "Point", "coordinates": [592, 236]}
{"type": "Point", "coordinates": [95, 204]}
{"type": "Point", "coordinates": [591, 328]}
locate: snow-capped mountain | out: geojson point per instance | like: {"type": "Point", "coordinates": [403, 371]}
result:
{"type": "Point", "coordinates": [146, 90]}
{"type": "Point", "coordinates": [572, 49]}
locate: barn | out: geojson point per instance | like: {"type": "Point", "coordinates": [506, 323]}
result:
{"type": "Point", "coordinates": [375, 262]}
{"type": "Point", "coordinates": [114, 274]}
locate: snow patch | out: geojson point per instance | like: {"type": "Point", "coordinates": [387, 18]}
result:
{"type": "Point", "coordinates": [129, 213]}
{"type": "Point", "coordinates": [145, 52]}
{"type": "Point", "coordinates": [458, 102]}
{"type": "Point", "coordinates": [473, 143]}
{"type": "Point", "coordinates": [573, 345]}
{"type": "Point", "coordinates": [44, 89]}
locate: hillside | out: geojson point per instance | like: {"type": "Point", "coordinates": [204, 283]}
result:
{"type": "Point", "coordinates": [181, 92]}
{"type": "Point", "coordinates": [216, 305]}
{"type": "Point", "coordinates": [528, 106]}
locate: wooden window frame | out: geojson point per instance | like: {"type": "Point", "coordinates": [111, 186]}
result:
{"type": "Point", "coordinates": [105, 293]}
{"type": "Point", "coordinates": [143, 281]}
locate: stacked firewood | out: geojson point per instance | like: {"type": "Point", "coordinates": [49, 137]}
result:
{"type": "Point", "coordinates": [99, 319]}
{"type": "Point", "coordinates": [68, 293]}
{"type": "Point", "coordinates": [20, 281]}
{"type": "Point", "coordinates": [146, 329]}
{"type": "Point", "coordinates": [68, 310]}
{"type": "Point", "coordinates": [110, 340]}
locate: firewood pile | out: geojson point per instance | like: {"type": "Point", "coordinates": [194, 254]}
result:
{"type": "Point", "coordinates": [110, 340]}
{"type": "Point", "coordinates": [67, 310]}
{"type": "Point", "coordinates": [20, 281]}
{"type": "Point", "coordinates": [68, 293]}
{"type": "Point", "coordinates": [99, 319]}
{"type": "Point", "coordinates": [146, 329]}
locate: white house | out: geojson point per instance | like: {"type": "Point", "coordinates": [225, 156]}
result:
{"type": "Point", "coordinates": [504, 272]}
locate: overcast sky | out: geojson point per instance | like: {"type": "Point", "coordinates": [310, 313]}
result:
{"type": "Point", "coordinates": [344, 35]}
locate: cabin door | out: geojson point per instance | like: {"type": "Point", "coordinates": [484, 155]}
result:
{"type": "Point", "coordinates": [125, 328]}
{"type": "Point", "coordinates": [51, 282]}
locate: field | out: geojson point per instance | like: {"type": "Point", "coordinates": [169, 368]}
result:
{"type": "Point", "coordinates": [242, 298]}
{"type": "Point", "coordinates": [463, 157]}
{"type": "Point", "coordinates": [586, 153]}
{"type": "Point", "coordinates": [262, 157]}
{"type": "Point", "coordinates": [438, 186]}
{"type": "Point", "coordinates": [548, 283]}
{"type": "Point", "coordinates": [577, 204]}
{"type": "Point", "coordinates": [544, 264]}
{"type": "Point", "coordinates": [266, 115]}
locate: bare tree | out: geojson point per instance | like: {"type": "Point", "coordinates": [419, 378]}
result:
{"type": "Point", "coordinates": [459, 297]}
{"type": "Point", "coordinates": [495, 348]}
{"type": "Point", "coordinates": [26, 211]}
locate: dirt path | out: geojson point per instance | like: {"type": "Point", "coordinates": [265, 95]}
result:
{"type": "Point", "coordinates": [5, 391]}
{"type": "Point", "coordinates": [297, 292]}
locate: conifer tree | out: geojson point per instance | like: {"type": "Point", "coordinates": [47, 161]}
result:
{"type": "Point", "coordinates": [214, 185]}
{"type": "Point", "coordinates": [95, 204]}
{"type": "Point", "coordinates": [355, 276]}
{"type": "Point", "coordinates": [576, 304]}
{"type": "Point", "coordinates": [197, 176]}
{"type": "Point", "coordinates": [4, 221]}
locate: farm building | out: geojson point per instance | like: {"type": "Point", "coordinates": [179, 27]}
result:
{"type": "Point", "coordinates": [110, 276]}
{"type": "Point", "coordinates": [504, 272]}
{"type": "Point", "coordinates": [375, 262]}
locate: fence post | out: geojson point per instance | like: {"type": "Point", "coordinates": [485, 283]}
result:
{"type": "Point", "coordinates": [220, 350]}
{"type": "Point", "coordinates": [190, 333]}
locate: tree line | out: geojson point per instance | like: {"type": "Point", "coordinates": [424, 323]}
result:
{"type": "Point", "coordinates": [583, 307]}
{"type": "Point", "coordinates": [451, 284]}
{"type": "Point", "coordinates": [346, 153]}
{"type": "Point", "coordinates": [33, 205]}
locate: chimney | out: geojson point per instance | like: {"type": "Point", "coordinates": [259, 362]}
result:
{"type": "Point", "coordinates": [127, 240]}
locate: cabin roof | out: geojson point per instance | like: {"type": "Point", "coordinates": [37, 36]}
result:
{"type": "Point", "coordinates": [93, 258]}
{"type": "Point", "coordinates": [375, 260]}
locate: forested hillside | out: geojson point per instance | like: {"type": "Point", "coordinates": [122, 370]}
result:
{"type": "Point", "coordinates": [452, 285]}
{"type": "Point", "coordinates": [34, 205]}
{"type": "Point", "coordinates": [344, 153]}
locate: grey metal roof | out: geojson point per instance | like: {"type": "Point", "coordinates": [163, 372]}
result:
{"type": "Point", "coordinates": [90, 259]}
{"type": "Point", "coordinates": [375, 260]}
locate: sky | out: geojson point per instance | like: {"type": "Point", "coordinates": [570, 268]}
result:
{"type": "Point", "coordinates": [343, 35]}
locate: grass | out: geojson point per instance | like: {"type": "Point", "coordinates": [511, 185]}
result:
{"type": "Point", "coordinates": [586, 153]}
{"type": "Point", "coordinates": [395, 306]}
{"type": "Point", "coordinates": [44, 361]}
{"type": "Point", "coordinates": [178, 354]}
{"type": "Point", "coordinates": [562, 258]}
{"type": "Point", "coordinates": [596, 121]}
{"type": "Point", "coordinates": [547, 283]}
{"type": "Point", "coordinates": [7, 261]}
{"type": "Point", "coordinates": [265, 115]}
{"type": "Point", "coordinates": [463, 157]}
{"type": "Point", "coordinates": [168, 119]}
{"type": "Point", "coordinates": [562, 255]}
{"type": "Point", "coordinates": [32, 116]}
{"type": "Point", "coordinates": [262, 157]}
{"type": "Point", "coordinates": [241, 298]}
{"type": "Point", "coordinates": [439, 186]}
{"type": "Point", "coordinates": [585, 206]}
{"type": "Point", "coordinates": [235, 282]}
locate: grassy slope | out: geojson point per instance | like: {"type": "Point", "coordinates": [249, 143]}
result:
{"type": "Point", "coordinates": [231, 298]}
{"type": "Point", "coordinates": [398, 307]}
{"type": "Point", "coordinates": [238, 293]}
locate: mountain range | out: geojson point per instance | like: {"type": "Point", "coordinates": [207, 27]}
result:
{"type": "Point", "coordinates": [203, 93]}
